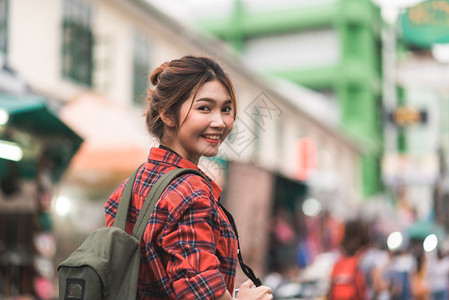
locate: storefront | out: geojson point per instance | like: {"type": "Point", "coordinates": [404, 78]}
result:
{"type": "Point", "coordinates": [36, 147]}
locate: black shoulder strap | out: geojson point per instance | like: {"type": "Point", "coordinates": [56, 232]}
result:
{"type": "Point", "coordinates": [247, 270]}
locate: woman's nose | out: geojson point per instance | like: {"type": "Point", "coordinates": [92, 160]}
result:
{"type": "Point", "coordinates": [217, 121]}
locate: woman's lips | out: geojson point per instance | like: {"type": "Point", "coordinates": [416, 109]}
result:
{"type": "Point", "coordinates": [212, 138]}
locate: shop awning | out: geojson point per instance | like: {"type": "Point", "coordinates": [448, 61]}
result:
{"type": "Point", "coordinates": [31, 114]}
{"type": "Point", "coordinates": [30, 122]}
{"type": "Point", "coordinates": [421, 229]}
{"type": "Point", "coordinates": [115, 137]}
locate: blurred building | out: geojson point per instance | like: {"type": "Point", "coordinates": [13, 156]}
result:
{"type": "Point", "coordinates": [416, 160]}
{"type": "Point", "coordinates": [95, 57]}
{"type": "Point", "coordinates": [36, 147]}
{"type": "Point", "coordinates": [383, 64]}
{"type": "Point", "coordinates": [330, 46]}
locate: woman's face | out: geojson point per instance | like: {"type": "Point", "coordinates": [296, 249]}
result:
{"type": "Point", "coordinates": [206, 125]}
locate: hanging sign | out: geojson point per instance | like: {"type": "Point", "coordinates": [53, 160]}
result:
{"type": "Point", "coordinates": [404, 116]}
{"type": "Point", "coordinates": [427, 23]}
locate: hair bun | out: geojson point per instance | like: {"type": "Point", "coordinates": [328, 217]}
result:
{"type": "Point", "coordinates": [157, 72]}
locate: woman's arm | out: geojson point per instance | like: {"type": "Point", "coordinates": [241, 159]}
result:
{"type": "Point", "coordinates": [225, 296]}
{"type": "Point", "coordinates": [246, 292]}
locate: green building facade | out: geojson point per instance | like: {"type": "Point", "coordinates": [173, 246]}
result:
{"type": "Point", "coordinates": [353, 79]}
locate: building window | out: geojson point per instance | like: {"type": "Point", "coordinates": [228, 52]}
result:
{"type": "Point", "coordinates": [3, 26]}
{"type": "Point", "coordinates": [141, 66]}
{"type": "Point", "coordinates": [77, 43]}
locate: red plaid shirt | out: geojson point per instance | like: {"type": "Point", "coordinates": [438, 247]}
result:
{"type": "Point", "coordinates": [189, 250]}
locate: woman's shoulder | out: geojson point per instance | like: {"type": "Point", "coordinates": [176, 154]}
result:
{"type": "Point", "coordinates": [188, 192]}
{"type": "Point", "coordinates": [190, 184]}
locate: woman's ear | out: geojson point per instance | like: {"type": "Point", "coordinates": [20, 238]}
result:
{"type": "Point", "coordinates": [168, 119]}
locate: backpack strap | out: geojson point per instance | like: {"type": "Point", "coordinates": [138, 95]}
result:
{"type": "Point", "coordinates": [125, 199]}
{"type": "Point", "coordinates": [153, 196]}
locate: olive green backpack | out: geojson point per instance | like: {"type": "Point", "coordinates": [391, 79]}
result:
{"type": "Point", "coordinates": [106, 265]}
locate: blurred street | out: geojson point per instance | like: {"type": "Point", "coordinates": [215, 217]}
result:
{"type": "Point", "coordinates": [343, 117]}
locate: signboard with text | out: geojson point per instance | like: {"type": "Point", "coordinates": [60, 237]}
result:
{"type": "Point", "coordinates": [404, 116]}
{"type": "Point", "coordinates": [427, 23]}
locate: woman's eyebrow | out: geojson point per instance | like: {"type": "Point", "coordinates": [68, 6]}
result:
{"type": "Point", "coordinates": [206, 100]}
{"type": "Point", "coordinates": [213, 101]}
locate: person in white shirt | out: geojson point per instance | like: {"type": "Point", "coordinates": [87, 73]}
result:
{"type": "Point", "coordinates": [438, 274]}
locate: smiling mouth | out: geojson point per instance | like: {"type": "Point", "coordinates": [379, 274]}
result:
{"type": "Point", "coordinates": [215, 138]}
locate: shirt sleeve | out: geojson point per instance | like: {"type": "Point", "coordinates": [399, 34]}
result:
{"type": "Point", "coordinates": [189, 241]}
{"type": "Point", "coordinates": [111, 205]}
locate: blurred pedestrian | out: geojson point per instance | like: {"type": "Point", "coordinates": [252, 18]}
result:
{"type": "Point", "coordinates": [189, 248]}
{"type": "Point", "coordinates": [420, 285]}
{"type": "Point", "coordinates": [373, 261]}
{"type": "Point", "coordinates": [438, 274]}
{"type": "Point", "coordinates": [401, 271]}
{"type": "Point", "coordinates": [382, 281]}
{"type": "Point", "coordinates": [283, 243]}
{"type": "Point", "coordinates": [348, 281]}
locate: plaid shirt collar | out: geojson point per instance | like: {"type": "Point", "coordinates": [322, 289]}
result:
{"type": "Point", "coordinates": [171, 158]}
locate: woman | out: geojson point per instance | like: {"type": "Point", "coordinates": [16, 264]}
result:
{"type": "Point", "coordinates": [189, 249]}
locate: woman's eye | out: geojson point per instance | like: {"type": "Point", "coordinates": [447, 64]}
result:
{"type": "Point", "coordinates": [227, 109]}
{"type": "Point", "coordinates": [204, 108]}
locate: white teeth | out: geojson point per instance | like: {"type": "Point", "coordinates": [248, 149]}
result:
{"type": "Point", "coordinates": [212, 136]}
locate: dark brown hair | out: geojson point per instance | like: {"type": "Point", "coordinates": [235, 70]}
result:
{"type": "Point", "coordinates": [174, 82]}
{"type": "Point", "coordinates": [356, 236]}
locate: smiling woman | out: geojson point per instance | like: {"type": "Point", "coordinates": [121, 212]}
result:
{"type": "Point", "coordinates": [190, 247]}
{"type": "Point", "coordinates": [206, 122]}
{"type": "Point", "coordinates": [194, 118]}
